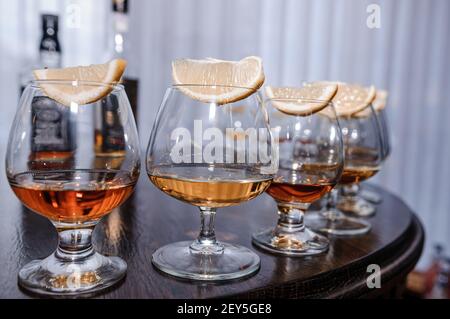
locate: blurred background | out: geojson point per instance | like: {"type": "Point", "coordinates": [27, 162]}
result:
{"type": "Point", "coordinates": [402, 46]}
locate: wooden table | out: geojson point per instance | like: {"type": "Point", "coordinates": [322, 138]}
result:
{"type": "Point", "coordinates": [151, 219]}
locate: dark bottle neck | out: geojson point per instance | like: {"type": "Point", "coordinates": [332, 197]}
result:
{"type": "Point", "coordinates": [49, 41]}
{"type": "Point", "coordinates": [49, 47]}
{"type": "Point", "coordinates": [120, 6]}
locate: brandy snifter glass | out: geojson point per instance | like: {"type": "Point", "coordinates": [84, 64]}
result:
{"type": "Point", "coordinates": [310, 164]}
{"type": "Point", "coordinates": [371, 195]}
{"type": "Point", "coordinates": [73, 164]}
{"type": "Point", "coordinates": [210, 154]}
{"type": "Point", "coordinates": [363, 155]}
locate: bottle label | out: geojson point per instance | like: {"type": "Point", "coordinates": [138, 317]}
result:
{"type": "Point", "coordinates": [51, 59]}
{"type": "Point", "coordinates": [112, 132]}
{"type": "Point", "coordinates": [120, 23]}
{"type": "Point", "coordinates": [52, 128]}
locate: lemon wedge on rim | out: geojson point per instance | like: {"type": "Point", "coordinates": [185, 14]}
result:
{"type": "Point", "coordinates": [301, 100]}
{"type": "Point", "coordinates": [349, 98]}
{"type": "Point", "coordinates": [218, 81]}
{"type": "Point", "coordinates": [379, 103]}
{"type": "Point", "coordinates": [77, 88]}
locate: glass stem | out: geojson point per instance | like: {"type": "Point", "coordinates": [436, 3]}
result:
{"type": "Point", "coordinates": [74, 244]}
{"type": "Point", "coordinates": [350, 190]}
{"type": "Point", "coordinates": [206, 242]}
{"type": "Point", "coordinates": [291, 218]}
{"type": "Point", "coordinates": [332, 199]}
{"type": "Point", "coordinates": [330, 211]}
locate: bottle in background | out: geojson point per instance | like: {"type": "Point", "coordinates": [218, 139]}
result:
{"type": "Point", "coordinates": [53, 138]}
{"type": "Point", "coordinates": [109, 142]}
{"type": "Point", "coordinates": [49, 50]}
{"type": "Point", "coordinates": [109, 136]}
{"type": "Point", "coordinates": [120, 47]}
{"type": "Point", "coordinates": [53, 133]}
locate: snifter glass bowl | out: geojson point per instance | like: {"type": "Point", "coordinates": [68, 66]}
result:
{"type": "Point", "coordinates": [211, 153]}
{"type": "Point", "coordinates": [73, 164]}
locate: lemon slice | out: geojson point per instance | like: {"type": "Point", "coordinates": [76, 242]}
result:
{"type": "Point", "coordinates": [78, 90]}
{"type": "Point", "coordinates": [350, 98]}
{"type": "Point", "coordinates": [378, 104]}
{"type": "Point", "coordinates": [219, 81]}
{"type": "Point", "coordinates": [301, 100]}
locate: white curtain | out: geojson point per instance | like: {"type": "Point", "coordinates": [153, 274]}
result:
{"type": "Point", "coordinates": [298, 40]}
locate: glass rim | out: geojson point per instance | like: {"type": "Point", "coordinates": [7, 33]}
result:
{"type": "Point", "coordinates": [113, 85]}
{"type": "Point", "coordinates": [184, 85]}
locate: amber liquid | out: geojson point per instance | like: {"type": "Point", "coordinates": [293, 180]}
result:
{"type": "Point", "coordinates": [209, 186]}
{"type": "Point", "coordinates": [302, 193]}
{"type": "Point", "coordinates": [352, 175]}
{"type": "Point", "coordinates": [361, 156]}
{"type": "Point", "coordinates": [73, 196]}
{"type": "Point", "coordinates": [361, 163]}
{"type": "Point", "coordinates": [305, 184]}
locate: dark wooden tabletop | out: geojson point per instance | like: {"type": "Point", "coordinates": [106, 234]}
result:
{"type": "Point", "coordinates": [151, 219]}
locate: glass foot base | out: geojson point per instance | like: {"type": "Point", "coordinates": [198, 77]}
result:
{"type": "Point", "coordinates": [299, 243]}
{"type": "Point", "coordinates": [357, 206]}
{"type": "Point", "coordinates": [56, 276]}
{"type": "Point", "coordinates": [336, 223]}
{"type": "Point", "coordinates": [179, 260]}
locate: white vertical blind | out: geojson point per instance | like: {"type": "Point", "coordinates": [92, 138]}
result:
{"type": "Point", "coordinates": [298, 40]}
